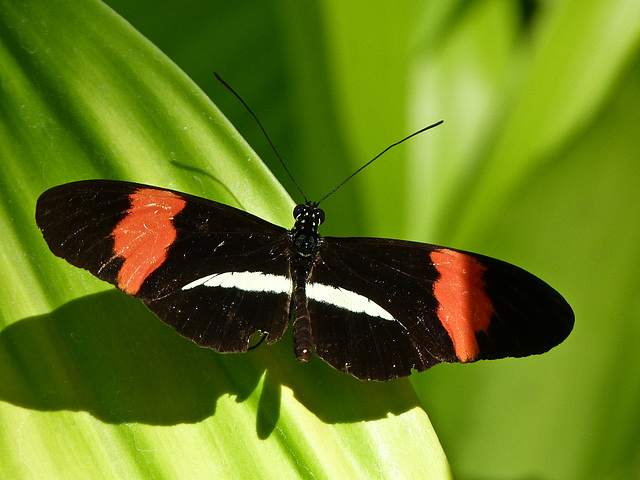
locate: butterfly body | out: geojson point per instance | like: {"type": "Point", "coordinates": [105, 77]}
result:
{"type": "Point", "coordinates": [374, 308]}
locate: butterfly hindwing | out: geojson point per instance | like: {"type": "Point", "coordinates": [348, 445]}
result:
{"type": "Point", "coordinates": [223, 288]}
{"type": "Point", "coordinates": [367, 348]}
{"type": "Point", "coordinates": [371, 345]}
{"type": "Point", "coordinates": [152, 242]}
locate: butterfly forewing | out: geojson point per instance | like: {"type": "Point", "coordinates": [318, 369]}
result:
{"type": "Point", "coordinates": [152, 242]}
{"type": "Point", "coordinates": [451, 305]}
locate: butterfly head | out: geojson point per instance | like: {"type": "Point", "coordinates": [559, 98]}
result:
{"type": "Point", "coordinates": [308, 213]}
{"type": "Point", "coordinates": [304, 234]}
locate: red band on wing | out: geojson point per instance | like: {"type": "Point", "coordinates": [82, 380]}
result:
{"type": "Point", "coordinates": [465, 308]}
{"type": "Point", "coordinates": [144, 235]}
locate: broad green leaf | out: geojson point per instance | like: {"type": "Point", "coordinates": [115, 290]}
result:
{"type": "Point", "coordinates": [91, 383]}
{"type": "Point", "coordinates": [536, 163]}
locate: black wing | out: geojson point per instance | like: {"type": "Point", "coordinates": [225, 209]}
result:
{"type": "Point", "coordinates": [152, 242]}
{"type": "Point", "coordinates": [444, 305]}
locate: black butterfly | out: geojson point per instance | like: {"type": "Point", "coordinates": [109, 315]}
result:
{"type": "Point", "coordinates": [374, 308]}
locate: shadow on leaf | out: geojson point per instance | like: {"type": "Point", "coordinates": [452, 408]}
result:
{"type": "Point", "coordinates": [106, 354]}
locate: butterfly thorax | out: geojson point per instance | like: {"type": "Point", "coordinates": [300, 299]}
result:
{"type": "Point", "coordinates": [304, 234]}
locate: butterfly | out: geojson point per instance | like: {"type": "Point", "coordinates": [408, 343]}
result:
{"type": "Point", "coordinates": [371, 307]}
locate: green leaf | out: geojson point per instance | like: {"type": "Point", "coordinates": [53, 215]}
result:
{"type": "Point", "coordinates": [536, 163]}
{"type": "Point", "coordinates": [91, 383]}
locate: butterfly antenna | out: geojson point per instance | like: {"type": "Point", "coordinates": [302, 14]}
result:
{"type": "Point", "coordinates": [377, 156]}
{"type": "Point", "coordinates": [265, 134]}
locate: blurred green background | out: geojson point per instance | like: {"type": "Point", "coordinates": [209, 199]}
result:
{"type": "Point", "coordinates": [537, 163]}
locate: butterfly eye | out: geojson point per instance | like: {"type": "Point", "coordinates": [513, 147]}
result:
{"type": "Point", "coordinates": [299, 210]}
{"type": "Point", "coordinates": [320, 216]}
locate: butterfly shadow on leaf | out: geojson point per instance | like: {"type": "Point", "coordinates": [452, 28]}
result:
{"type": "Point", "coordinates": [106, 354]}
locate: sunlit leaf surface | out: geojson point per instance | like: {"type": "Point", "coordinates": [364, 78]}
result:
{"type": "Point", "coordinates": [92, 385]}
